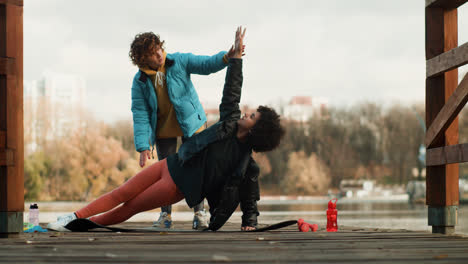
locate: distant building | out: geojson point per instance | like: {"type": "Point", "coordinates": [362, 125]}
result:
{"type": "Point", "coordinates": [54, 104]}
{"type": "Point", "coordinates": [301, 108]}
{"type": "Point", "coordinates": [64, 88]}
{"type": "Point", "coordinates": [212, 114]}
{"type": "Point", "coordinates": [66, 94]}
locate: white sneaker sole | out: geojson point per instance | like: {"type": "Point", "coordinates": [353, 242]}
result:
{"type": "Point", "coordinates": [158, 225]}
{"type": "Point", "coordinates": [57, 227]}
{"type": "Point", "coordinates": [201, 225]}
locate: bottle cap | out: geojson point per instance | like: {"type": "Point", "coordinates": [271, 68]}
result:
{"type": "Point", "coordinates": [332, 205]}
{"type": "Point", "coordinates": [33, 206]}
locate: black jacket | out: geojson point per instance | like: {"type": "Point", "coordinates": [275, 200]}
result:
{"type": "Point", "coordinates": [238, 188]}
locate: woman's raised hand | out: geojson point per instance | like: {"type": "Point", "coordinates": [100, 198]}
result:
{"type": "Point", "coordinates": [239, 43]}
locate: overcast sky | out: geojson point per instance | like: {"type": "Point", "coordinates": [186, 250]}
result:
{"type": "Point", "coordinates": [345, 51]}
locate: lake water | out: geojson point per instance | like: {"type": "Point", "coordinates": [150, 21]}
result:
{"type": "Point", "coordinates": [393, 213]}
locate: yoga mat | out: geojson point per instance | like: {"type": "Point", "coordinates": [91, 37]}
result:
{"type": "Point", "coordinates": [86, 225]}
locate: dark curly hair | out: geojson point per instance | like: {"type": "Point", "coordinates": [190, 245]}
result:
{"type": "Point", "coordinates": [142, 46]}
{"type": "Point", "coordinates": [267, 132]}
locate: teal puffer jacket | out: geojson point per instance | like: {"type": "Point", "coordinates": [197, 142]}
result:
{"type": "Point", "coordinates": [189, 111]}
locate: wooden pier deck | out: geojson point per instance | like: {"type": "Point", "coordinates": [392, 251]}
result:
{"type": "Point", "coordinates": [349, 245]}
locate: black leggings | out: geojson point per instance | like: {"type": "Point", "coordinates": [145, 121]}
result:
{"type": "Point", "coordinates": [166, 147]}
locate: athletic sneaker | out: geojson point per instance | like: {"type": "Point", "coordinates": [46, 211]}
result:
{"type": "Point", "coordinates": [61, 222]}
{"type": "Point", "coordinates": [200, 220]}
{"type": "Point", "coordinates": [164, 221]}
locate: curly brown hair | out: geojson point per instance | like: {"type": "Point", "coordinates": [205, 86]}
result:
{"type": "Point", "coordinates": [142, 46]}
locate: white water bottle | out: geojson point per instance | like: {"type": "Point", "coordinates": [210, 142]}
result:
{"type": "Point", "coordinates": [34, 214]}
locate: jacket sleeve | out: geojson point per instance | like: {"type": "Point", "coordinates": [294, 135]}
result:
{"type": "Point", "coordinates": [141, 123]}
{"type": "Point", "coordinates": [228, 197]}
{"type": "Point", "coordinates": [250, 194]}
{"type": "Point", "coordinates": [229, 200]}
{"type": "Point", "coordinates": [229, 107]}
{"type": "Point", "coordinates": [205, 64]}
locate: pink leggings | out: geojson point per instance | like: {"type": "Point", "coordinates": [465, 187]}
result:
{"type": "Point", "coordinates": [151, 188]}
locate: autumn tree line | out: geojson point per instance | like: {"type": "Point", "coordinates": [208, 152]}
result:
{"type": "Point", "coordinates": [364, 141]}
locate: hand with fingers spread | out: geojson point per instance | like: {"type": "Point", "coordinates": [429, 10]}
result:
{"type": "Point", "coordinates": [239, 43]}
{"type": "Point", "coordinates": [143, 155]}
{"type": "Point", "coordinates": [237, 50]}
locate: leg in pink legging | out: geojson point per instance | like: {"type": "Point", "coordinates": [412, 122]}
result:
{"type": "Point", "coordinates": [149, 189]}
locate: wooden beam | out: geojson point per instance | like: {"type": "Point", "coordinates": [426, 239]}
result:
{"type": "Point", "coordinates": [447, 155]}
{"type": "Point", "coordinates": [3, 79]}
{"type": "Point", "coordinates": [11, 110]}
{"type": "Point", "coordinates": [441, 36]}
{"type": "Point", "coordinates": [7, 66]}
{"type": "Point", "coordinates": [2, 139]}
{"type": "Point", "coordinates": [448, 113]}
{"type": "Point", "coordinates": [446, 4]}
{"type": "Point", "coordinates": [449, 60]}
{"type": "Point", "coordinates": [12, 2]}
{"type": "Point", "coordinates": [7, 157]}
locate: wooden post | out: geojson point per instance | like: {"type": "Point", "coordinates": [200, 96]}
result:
{"type": "Point", "coordinates": [11, 118]}
{"type": "Point", "coordinates": [442, 180]}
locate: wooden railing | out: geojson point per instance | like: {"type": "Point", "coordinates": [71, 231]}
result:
{"type": "Point", "coordinates": [444, 101]}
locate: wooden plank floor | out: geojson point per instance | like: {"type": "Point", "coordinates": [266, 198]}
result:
{"type": "Point", "coordinates": [349, 245]}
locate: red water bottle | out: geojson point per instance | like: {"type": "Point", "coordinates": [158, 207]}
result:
{"type": "Point", "coordinates": [332, 216]}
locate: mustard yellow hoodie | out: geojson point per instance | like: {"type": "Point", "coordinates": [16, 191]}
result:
{"type": "Point", "coordinates": [168, 126]}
